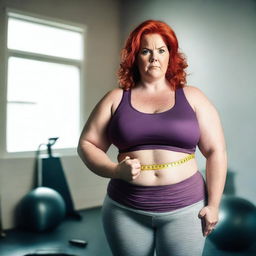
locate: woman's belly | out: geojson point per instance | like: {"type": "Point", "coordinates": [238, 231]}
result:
{"type": "Point", "coordinates": [164, 176]}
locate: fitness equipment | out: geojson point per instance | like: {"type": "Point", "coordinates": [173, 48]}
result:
{"type": "Point", "coordinates": [2, 233]}
{"type": "Point", "coordinates": [51, 174]}
{"type": "Point", "coordinates": [78, 242]}
{"type": "Point", "coordinates": [50, 252]}
{"type": "Point", "coordinates": [43, 208]}
{"type": "Point", "coordinates": [236, 229]}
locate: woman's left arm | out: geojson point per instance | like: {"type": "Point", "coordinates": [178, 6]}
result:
{"type": "Point", "coordinates": [212, 145]}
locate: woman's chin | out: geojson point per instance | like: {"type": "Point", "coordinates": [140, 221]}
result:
{"type": "Point", "coordinates": [156, 75]}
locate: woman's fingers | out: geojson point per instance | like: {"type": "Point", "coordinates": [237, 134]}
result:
{"type": "Point", "coordinates": [132, 169]}
{"type": "Point", "coordinates": [209, 216]}
{"type": "Point", "coordinates": [209, 227]}
{"type": "Point", "coordinates": [136, 176]}
{"type": "Point", "coordinates": [135, 169]}
{"type": "Point", "coordinates": [134, 163]}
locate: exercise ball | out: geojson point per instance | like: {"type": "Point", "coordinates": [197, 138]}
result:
{"type": "Point", "coordinates": [236, 229]}
{"type": "Point", "coordinates": [41, 209]}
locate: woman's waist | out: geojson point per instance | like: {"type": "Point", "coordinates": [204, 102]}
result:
{"type": "Point", "coordinates": [189, 190]}
{"type": "Point", "coordinates": [165, 165]}
{"type": "Point", "coordinates": [168, 172]}
{"type": "Point", "coordinates": [166, 176]}
{"type": "Point", "coordinates": [162, 167]}
{"type": "Point", "coordinates": [156, 156]}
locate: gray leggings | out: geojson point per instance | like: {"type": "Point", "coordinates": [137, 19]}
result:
{"type": "Point", "coordinates": [132, 232]}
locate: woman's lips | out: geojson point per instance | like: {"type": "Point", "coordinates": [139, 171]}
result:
{"type": "Point", "coordinates": [153, 67]}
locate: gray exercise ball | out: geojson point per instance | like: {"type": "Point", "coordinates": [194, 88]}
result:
{"type": "Point", "coordinates": [41, 209]}
{"type": "Point", "coordinates": [236, 230]}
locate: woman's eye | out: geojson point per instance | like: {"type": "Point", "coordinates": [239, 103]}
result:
{"type": "Point", "coordinates": [144, 52]}
{"type": "Point", "coordinates": [161, 50]}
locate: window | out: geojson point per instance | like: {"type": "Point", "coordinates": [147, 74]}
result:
{"type": "Point", "coordinates": [43, 83]}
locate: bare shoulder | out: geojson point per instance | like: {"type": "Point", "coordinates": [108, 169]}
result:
{"type": "Point", "coordinates": [111, 97]}
{"type": "Point", "coordinates": [110, 100]}
{"type": "Point", "coordinates": [114, 96]}
{"type": "Point", "coordinates": [196, 97]}
{"type": "Point", "coordinates": [193, 93]}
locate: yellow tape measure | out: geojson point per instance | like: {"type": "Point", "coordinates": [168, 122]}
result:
{"type": "Point", "coordinates": [163, 166]}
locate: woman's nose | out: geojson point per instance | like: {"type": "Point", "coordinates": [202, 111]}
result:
{"type": "Point", "coordinates": [153, 58]}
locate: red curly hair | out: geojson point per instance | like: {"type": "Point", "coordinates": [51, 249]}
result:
{"type": "Point", "coordinates": [128, 73]}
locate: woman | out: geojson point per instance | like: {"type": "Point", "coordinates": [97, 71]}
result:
{"type": "Point", "coordinates": [157, 199]}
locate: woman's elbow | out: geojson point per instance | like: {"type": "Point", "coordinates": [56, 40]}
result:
{"type": "Point", "coordinates": [218, 152]}
{"type": "Point", "coordinates": [80, 148]}
{"type": "Point", "coordinates": [214, 150]}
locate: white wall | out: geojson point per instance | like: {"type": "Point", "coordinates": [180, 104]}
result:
{"type": "Point", "coordinates": [102, 49]}
{"type": "Point", "coordinates": [218, 38]}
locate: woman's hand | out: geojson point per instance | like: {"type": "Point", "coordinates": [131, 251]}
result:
{"type": "Point", "coordinates": [210, 216]}
{"type": "Point", "coordinates": [128, 169]}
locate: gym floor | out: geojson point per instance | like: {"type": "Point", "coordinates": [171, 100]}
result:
{"type": "Point", "coordinates": [56, 242]}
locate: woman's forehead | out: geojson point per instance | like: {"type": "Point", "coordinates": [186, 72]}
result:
{"type": "Point", "coordinates": [152, 40]}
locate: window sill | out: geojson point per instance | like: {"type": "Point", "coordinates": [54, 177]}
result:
{"type": "Point", "coordinates": [32, 154]}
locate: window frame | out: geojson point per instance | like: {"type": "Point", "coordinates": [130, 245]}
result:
{"type": "Point", "coordinates": [41, 19]}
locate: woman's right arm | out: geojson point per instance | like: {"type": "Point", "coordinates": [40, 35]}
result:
{"type": "Point", "coordinates": [93, 143]}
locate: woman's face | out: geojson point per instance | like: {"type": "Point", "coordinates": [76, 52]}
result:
{"type": "Point", "coordinates": [153, 57]}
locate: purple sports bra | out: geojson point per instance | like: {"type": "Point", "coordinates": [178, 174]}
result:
{"type": "Point", "coordinates": [176, 129]}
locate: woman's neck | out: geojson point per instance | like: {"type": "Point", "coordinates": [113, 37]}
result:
{"type": "Point", "coordinates": [154, 86]}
